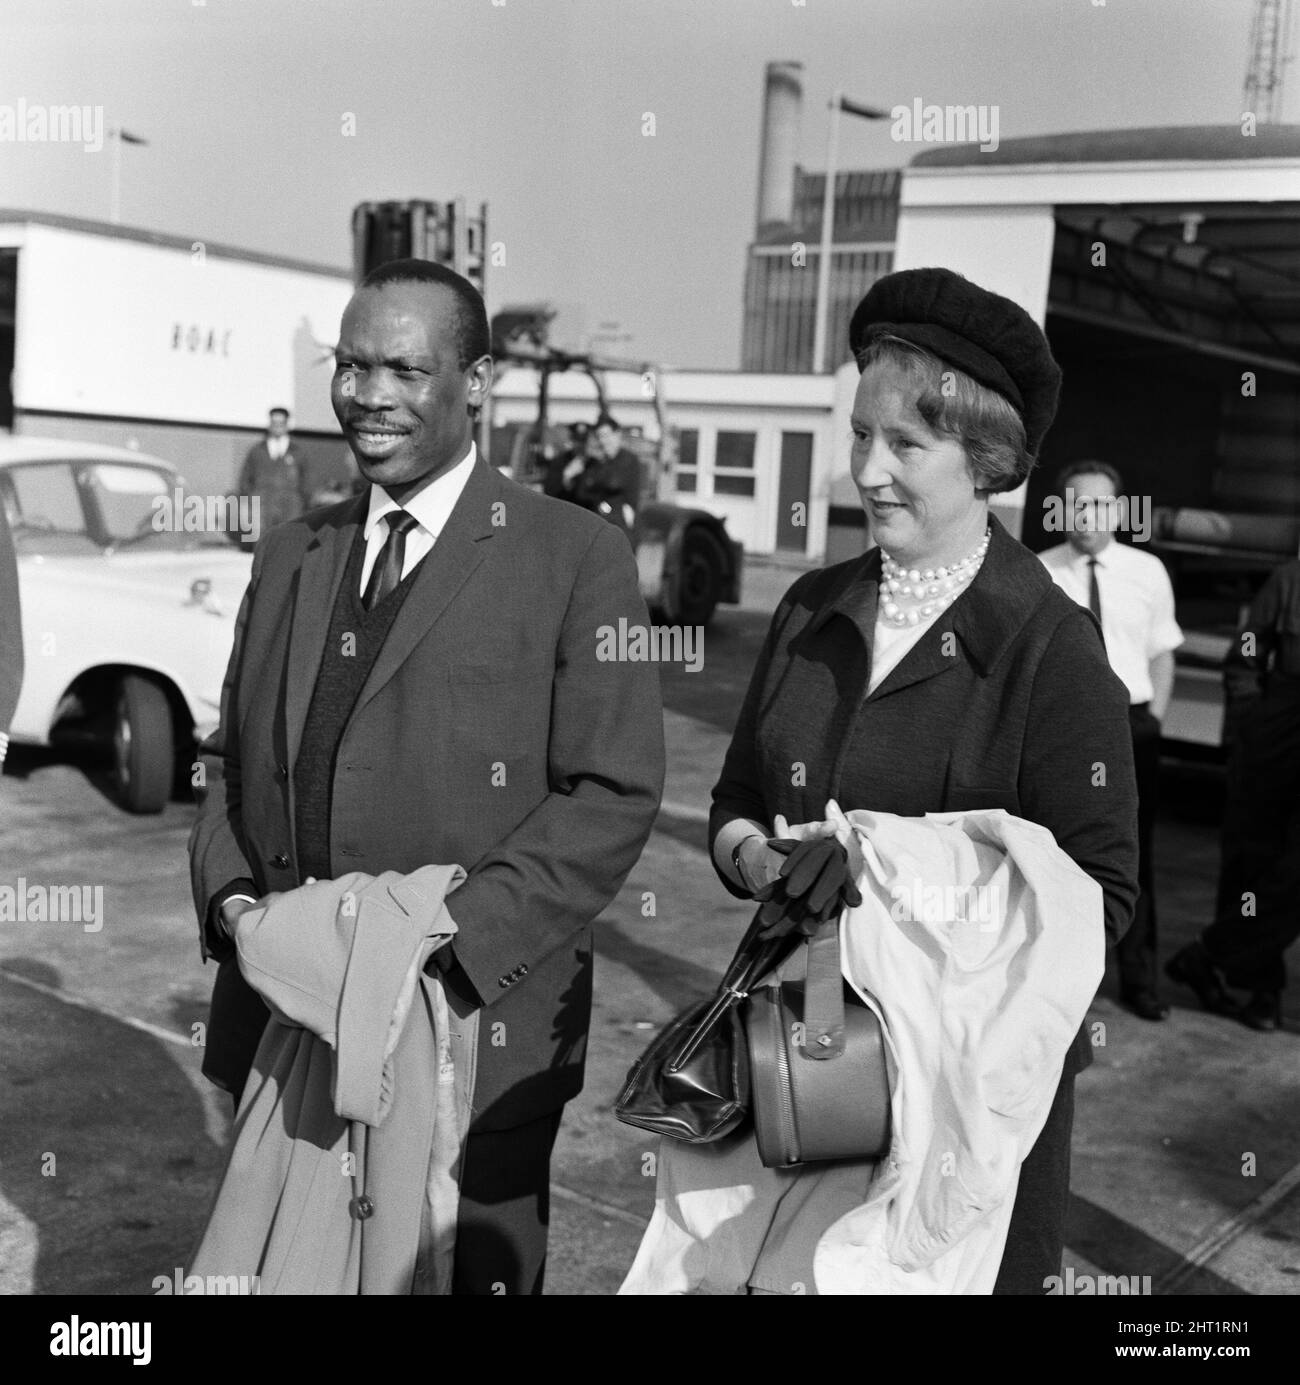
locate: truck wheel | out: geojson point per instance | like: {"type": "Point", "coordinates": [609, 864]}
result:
{"type": "Point", "coordinates": [699, 578]}
{"type": "Point", "coordinates": [143, 755]}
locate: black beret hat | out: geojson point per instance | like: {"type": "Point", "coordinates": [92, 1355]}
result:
{"type": "Point", "coordinates": [988, 337]}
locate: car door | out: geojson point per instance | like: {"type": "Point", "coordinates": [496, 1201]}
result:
{"type": "Point", "coordinates": [46, 513]}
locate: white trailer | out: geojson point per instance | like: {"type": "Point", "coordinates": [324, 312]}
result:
{"type": "Point", "coordinates": [174, 346]}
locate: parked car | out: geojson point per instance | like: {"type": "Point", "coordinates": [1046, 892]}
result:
{"type": "Point", "coordinates": [128, 618]}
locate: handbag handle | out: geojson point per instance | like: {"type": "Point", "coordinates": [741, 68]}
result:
{"type": "Point", "coordinates": [754, 958]}
{"type": "Point", "coordinates": [823, 1011]}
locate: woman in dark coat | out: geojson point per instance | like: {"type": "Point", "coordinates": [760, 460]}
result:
{"type": "Point", "coordinates": [943, 670]}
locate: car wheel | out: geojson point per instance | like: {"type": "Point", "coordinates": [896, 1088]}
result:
{"type": "Point", "coordinates": [143, 758]}
{"type": "Point", "coordinates": [699, 578]}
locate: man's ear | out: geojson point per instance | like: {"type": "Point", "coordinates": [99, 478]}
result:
{"type": "Point", "coordinates": [480, 382]}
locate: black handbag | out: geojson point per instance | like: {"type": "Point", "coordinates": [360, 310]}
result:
{"type": "Point", "coordinates": [692, 1083]}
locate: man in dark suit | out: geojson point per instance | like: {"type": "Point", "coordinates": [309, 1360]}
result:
{"type": "Point", "coordinates": [416, 680]}
{"type": "Point", "coordinates": [611, 483]}
{"type": "Point", "coordinates": [273, 473]}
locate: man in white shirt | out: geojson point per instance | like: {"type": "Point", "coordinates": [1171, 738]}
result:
{"type": "Point", "coordinates": [1129, 592]}
{"type": "Point", "coordinates": [273, 473]}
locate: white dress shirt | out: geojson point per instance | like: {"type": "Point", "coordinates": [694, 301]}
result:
{"type": "Point", "coordinates": [277, 447]}
{"type": "Point", "coordinates": [1137, 606]}
{"type": "Point", "coordinates": [431, 508]}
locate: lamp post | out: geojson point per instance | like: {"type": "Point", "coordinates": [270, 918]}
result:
{"type": "Point", "coordinates": [839, 102]}
{"type": "Point", "coordinates": [119, 136]}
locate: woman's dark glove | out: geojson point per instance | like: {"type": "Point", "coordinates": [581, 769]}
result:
{"type": "Point", "coordinates": [814, 885]}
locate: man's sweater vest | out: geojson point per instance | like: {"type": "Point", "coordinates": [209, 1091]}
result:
{"type": "Point", "coordinates": [355, 638]}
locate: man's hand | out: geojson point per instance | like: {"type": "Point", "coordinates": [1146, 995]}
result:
{"type": "Point", "coordinates": [233, 908]}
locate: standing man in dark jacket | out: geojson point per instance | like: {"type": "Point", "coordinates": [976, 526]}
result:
{"type": "Point", "coordinates": [11, 633]}
{"type": "Point", "coordinates": [417, 680]}
{"type": "Point", "coordinates": [611, 485]}
{"type": "Point", "coordinates": [273, 473]}
{"type": "Point", "coordinates": [1256, 918]}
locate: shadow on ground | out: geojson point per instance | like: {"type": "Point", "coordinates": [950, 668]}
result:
{"type": "Point", "coordinates": [105, 1156]}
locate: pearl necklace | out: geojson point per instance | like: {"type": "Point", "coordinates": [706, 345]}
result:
{"type": "Point", "coordinates": [934, 589]}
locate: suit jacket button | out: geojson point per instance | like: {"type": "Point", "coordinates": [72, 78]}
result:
{"type": "Point", "coordinates": [282, 771]}
{"type": "Point", "coordinates": [503, 981]}
{"type": "Point", "coordinates": [280, 860]}
{"type": "Point", "coordinates": [363, 1207]}
{"type": "Point", "coordinates": [523, 968]}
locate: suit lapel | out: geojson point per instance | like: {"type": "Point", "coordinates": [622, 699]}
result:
{"type": "Point", "coordinates": [927, 658]}
{"type": "Point", "coordinates": [459, 549]}
{"type": "Point", "coordinates": [855, 600]}
{"type": "Point", "coordinates": [319, 577]}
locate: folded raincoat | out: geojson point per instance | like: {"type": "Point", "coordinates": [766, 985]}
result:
{"type": "Point", "coordinates": [343, 1173]}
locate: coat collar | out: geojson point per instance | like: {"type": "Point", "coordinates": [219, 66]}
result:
{"type": "Point", "coordinates": [457, 552]}
{"type": "Point", "coordinates": [1009, 586]}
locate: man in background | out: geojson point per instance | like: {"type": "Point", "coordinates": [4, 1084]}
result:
{"type": "Point", "coordinates": [273, 472]}
{"type": "Point", "coordinates": [1129, 592]}
{"type": "Point", "coordinates": [611, 485]}
{"type": "Point", "coordinates": [1256, 918]}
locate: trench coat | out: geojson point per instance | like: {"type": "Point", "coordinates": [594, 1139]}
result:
{"type": "Point", "coordinates": [342, 1174]}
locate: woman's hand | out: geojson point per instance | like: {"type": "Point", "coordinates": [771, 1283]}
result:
{"type": "Point", "coordinates": [801, 831]}
{"type": "Point", "coordinates": [835, 825]}
{"type": "Point", "coordinates": [818, 874]}
{"type": "Point", "coordinates": [758, 863]}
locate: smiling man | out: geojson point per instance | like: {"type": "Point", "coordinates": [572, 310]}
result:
{"type": "Point", "coordinates": [415, 680]}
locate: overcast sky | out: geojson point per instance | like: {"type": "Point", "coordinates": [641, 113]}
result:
{"type": "Point", "coordinates": [537, 107]}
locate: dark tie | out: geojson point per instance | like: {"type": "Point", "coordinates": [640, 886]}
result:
{"type": "Point", "coordinates": [388, 566]}
{"type": "Point", "coordinates": [1094, 592]}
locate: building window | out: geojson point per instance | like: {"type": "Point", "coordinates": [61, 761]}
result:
{"type": "Point", "coordinates": [688, 452]}
{"type": "Point", "coordinates": [733, 464]}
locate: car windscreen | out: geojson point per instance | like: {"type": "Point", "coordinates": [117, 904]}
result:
{"type": "Point", "coordinates": [44, 509]}
{"type": "Point", "coordinates": [144, 505]}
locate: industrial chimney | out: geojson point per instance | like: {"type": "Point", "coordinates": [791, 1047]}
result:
{"type": "Point", "coordinates": [782, 104]}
